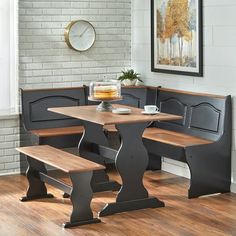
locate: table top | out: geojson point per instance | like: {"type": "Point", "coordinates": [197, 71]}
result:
{"type": "Point", "coordinates": [89, 113]}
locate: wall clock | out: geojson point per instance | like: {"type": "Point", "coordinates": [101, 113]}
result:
{"type": "Point", "coordinates": [80, 35]}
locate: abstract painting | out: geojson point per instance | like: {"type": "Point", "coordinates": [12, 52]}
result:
{"type": "Point", "coordinates": [176, 37]}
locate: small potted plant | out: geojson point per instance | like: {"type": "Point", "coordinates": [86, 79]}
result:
{"type": "Point", "coordinates": [129, 77]}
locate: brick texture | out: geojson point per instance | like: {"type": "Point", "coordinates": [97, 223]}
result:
{"type": "Point", "coordinates": [45, 59]}
{"type": "Point", "coordinates": [9, 139]}
{"type": "Point", "coordinates": [47, 62]}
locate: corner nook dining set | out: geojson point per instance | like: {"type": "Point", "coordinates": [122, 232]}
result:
{"type": "Point", "coordinates": [109, 125]}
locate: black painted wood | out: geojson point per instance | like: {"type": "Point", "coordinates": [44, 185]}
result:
{"type": "Point", "coordinates": [81, 196]}
{"type": "Point", "coordinates": [208, 117]}
{"type": "Point", "coordinates": [80, 192]}
{"type": "Point", "coordinates": [88, 149]}
{"type": "Point", "coordinates": [203, 116]}
{"type": "Point", "coordinates": [36, 116]}
{"type": "Point", "coordinates": [36, 102]}
{"type": "Point", "coordinates": [37, 188]}
{"type": "Point", "coordinates": [131, 162]}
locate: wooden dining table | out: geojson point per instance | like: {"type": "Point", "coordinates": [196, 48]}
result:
{"type": "Point", "coordinates": [131, 159]}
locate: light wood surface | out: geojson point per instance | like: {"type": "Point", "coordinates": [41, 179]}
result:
{"type": "Point", "coordinates": [167, 137]}
{"type": "Point", "coordinates": [89, 113]}
{"type": "Point", "coordinates": [173, 138]}
{"type": "Point", "coordinates": [191, 93]}
{"type": "Point", "coordinates": [110, 128]}
{"type": "Point", "coordinates": [208, 216]}
{"type": "Point", "coordinates": [52, 132]}
{"type": "Point", "coordinates": [64, 161]}
{"type": "Point", "coordinates": [55, 89]}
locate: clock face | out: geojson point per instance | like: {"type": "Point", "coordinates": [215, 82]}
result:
{"type": "Point", "coordinates": [80, 35]}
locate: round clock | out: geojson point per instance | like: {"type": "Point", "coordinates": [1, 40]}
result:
{"type": "Point", "coordinates": [80, 35]}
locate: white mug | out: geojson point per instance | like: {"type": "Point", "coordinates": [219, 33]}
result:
{"type": "Point", "coordinates": [151, 108]}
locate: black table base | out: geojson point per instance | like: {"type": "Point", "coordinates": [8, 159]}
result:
{"type": "Point", "coordinates": [117, 207]}
{"type": "Point", "coordinates": [94, 134]}
{"type": "Point", "coordinates": [131, 162]}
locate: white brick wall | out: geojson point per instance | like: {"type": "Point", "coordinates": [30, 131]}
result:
{"type": "Point", "coordinates": [45, 59]}
{"type": "Point", "coordinates": [9, 139]}
{"type": "Point", "coordinates": [219, 60]}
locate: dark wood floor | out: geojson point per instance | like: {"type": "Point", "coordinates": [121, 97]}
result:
{"type": "Point", "coordinates": [215, 215]}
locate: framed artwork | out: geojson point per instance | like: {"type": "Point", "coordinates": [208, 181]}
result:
{"type": "Point", "coordinates": [176, 37]}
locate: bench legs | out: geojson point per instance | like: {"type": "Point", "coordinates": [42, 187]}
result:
{"type": "Point", "coordinates": [37, 188]}
{"type": "Point", "coordinates": [210, 168]}
{"type": "Point", "coordinates": [81, 196]}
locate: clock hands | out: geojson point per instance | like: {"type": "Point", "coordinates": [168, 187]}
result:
{"type": "Point", "coordinates": [84, 31]}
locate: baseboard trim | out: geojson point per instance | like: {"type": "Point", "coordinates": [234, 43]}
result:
{"type": "Point", "coordinates": [10, 173]}
{"type": "Point", "coordinates": [176, 170]}
{"type": "Point", "coordinates": [233, 187]}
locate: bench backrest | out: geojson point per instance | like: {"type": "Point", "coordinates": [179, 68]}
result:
{"type": "Point", "coordinates": [204, 115]}
{"type": "Point", "coordinates": [138, 96]}
{"type": "Point", "coordinates": [36, 102]}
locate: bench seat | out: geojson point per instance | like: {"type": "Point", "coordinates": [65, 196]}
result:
{"type": "Point", "coordinates": [59, 159]}
{"type": "Point", "coordinates": [80, 171]}
{"type": "Point", "coordinates": [54, 132]}
{"type": "Point", "coordinates": [173, 138]}
{"type": "Point", "coordinates": [168, 137]}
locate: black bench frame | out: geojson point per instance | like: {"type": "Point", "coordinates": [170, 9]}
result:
{"type": "Point", "coordinates": [205, 116]}
{"type": "Point", "coordinates": [80, 192]}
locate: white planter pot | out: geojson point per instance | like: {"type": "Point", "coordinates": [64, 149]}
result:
{"type": "Point", "coordinates": [128, 82]}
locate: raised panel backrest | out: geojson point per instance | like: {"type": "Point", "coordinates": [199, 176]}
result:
{"type": "Point", "coordinates": [35, 104]}
{"type": "Point", "coordinates": [135, 97]}
{"type": "Point", "coordinates": [174, 106]}
{"type": "Point", "coordinates": [203, 116]}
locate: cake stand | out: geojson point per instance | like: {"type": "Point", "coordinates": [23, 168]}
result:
{"type": "Point", "coordinates": [105, 104]}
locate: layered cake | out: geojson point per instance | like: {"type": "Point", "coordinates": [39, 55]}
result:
{"type": "Point", "coordinates": [105, 92]}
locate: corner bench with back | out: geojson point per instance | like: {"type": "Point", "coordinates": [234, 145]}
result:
{"type": "Point", "coordinates": [202, 139]}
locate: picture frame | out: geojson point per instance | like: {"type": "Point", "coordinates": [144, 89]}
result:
{"type": "Point", "coordinates": [177, 37]}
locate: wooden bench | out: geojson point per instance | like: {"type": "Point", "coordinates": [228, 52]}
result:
{"type": "Point", "coordinates": [39, 126]}
{"type": "Point", "coordinates": [202, 138]}
{"type": "Point", "coordinates": [79, 170]}
{"type": "Point", "coordinates": [46, 126]}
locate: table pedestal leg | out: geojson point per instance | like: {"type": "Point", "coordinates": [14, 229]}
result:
{"type": "Point", "coordinates": [131, 163]}
{"type": "Point", "coordinates": [94, 134]}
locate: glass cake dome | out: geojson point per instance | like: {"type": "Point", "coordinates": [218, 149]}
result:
{"type": "Point", "coordinates": [105, 91]}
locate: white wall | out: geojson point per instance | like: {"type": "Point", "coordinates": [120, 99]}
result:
{"type": "Point", "coordinates": [5, 54]}
{"type": "Point", "coordinates": [219, 60]}
{"type": "Point", "coordinates": [8, 56]}
{"type": "Point", "coordinates": [45, 59]}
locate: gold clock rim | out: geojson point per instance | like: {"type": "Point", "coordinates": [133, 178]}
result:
{"type": "Point", "coordinates": [67, 31]}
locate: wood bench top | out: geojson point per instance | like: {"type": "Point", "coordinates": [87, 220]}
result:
{"type": "Point", "coordinates": [59, 159]}
{"type": "Point", "coordinates": [173, 138]}
{"type": "Point", "coordinates": [52, 132]}
{"type": "Point", "coordinates": [168, 137]}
